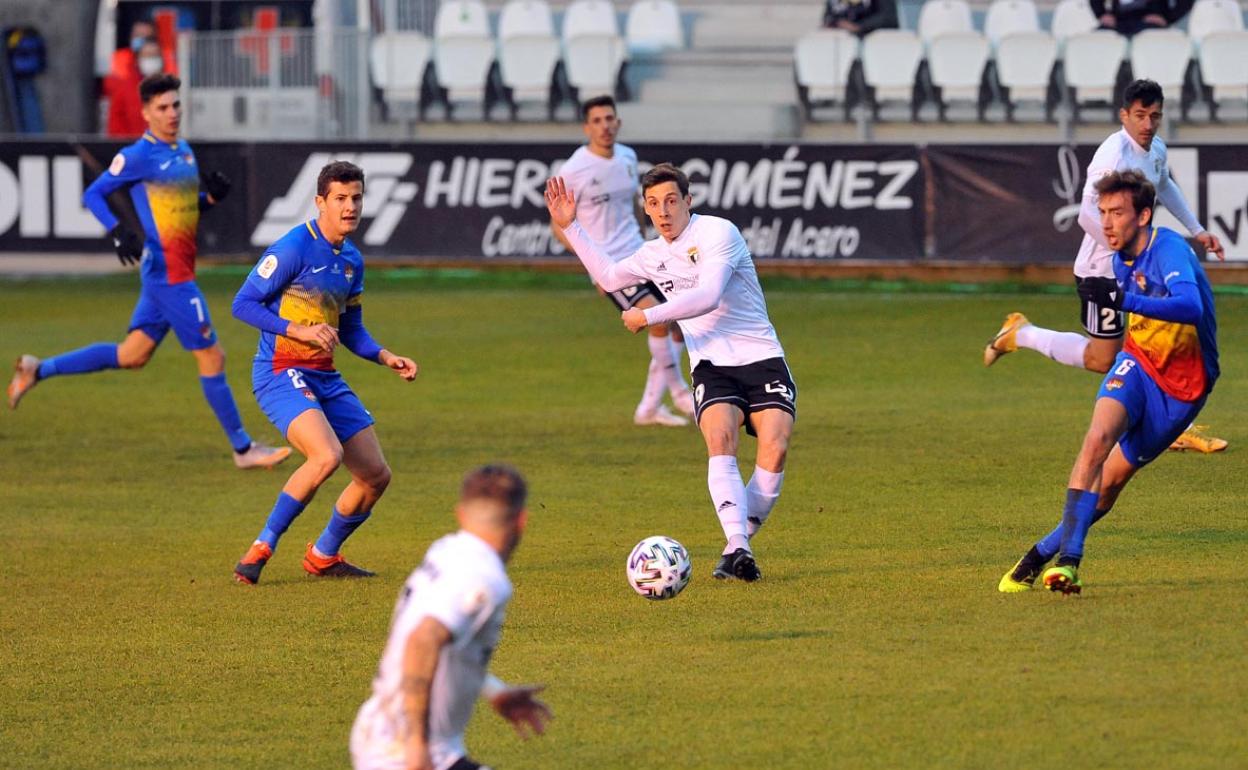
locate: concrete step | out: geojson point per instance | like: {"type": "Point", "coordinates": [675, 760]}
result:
{"type": "Point", "coordinates": [691, 122]}
{"type": "Point", "coordinates": [766, 84]}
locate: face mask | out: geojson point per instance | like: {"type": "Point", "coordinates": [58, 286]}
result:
{"type": "Point", "coordinates": [150, 65]}
{"type": "Point", "coordinates": [136, 43]}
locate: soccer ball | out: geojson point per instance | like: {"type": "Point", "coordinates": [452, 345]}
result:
{"type": "Point", "coordinates": [659, 567]}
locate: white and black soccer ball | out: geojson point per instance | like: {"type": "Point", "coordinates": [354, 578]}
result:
{"type": "Point", "coordinates": [659, 567]}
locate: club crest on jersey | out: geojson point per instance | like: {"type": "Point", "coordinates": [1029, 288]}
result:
{"type": "Point", "coordinates": [309, 395]}
{"type": "Point", "coordinates": [189, 158]}
{"type": "Point", "coordinates": [1141, 281]}
{"type": "Point", "coordinates": [205, 331]}
{"type": "Point", "coordinates": [348, 273]}
{"type": "Point", "coordinates": [693, 254]}
{"type": "Point", "coordinates": [1113, 384]}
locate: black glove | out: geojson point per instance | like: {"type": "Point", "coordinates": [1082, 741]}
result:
{"type": "Point", "coordinates": [1102, 292]}
{"type": "Point", "coordinates": [128, 243]}
{"type": "Point", "coordinates": [216, 184]}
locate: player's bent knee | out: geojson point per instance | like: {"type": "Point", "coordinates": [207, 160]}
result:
{"type": "Point", "coordinates": [325, 462]}
{"type": "Point", "coordinates": [378, 478]}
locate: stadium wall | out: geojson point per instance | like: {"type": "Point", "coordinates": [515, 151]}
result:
{"type": "Point", "coordinates": [801, 205]}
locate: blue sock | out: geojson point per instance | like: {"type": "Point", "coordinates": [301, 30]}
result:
{"type": "Point", "coordinates": [217, 392]}
{"type": "Point", "coordinates": [1051, 543]}
{"type": "Point", "coordinates": [1076, 525]}
{"type": "Point", "coordinates": [339, 529]}
{"type": "Point", "coordinates": [284, 512]}
{"type": "Point", "coordinates": [92, 358]}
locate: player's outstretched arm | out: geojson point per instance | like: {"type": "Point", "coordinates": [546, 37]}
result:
{"type": "Point", "coordinates": [420, 663]}
{"type": "Point", "coordinates": [609, 275]}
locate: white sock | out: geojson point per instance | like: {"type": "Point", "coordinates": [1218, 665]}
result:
{"type": "Point", "coordinates": [675, 376]}
{"type": "Point", "coordinates": [728, 496]}
{"type": "Point", "coordinates": [1063, 347]}
{"type": "Point", "coordinates": [762, 493]}
{"type": "Point", "coordinates": [652, 395]}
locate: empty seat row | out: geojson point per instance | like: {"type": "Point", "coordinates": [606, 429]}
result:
{"type": "Point", "coordinates": [468, 65]}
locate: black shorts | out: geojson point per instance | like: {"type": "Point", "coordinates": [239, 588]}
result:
{"type": "Point", "coordinates": [629, 296]}
{"type": "Point", "coordinates": [464, 763]}
{"type": "Point", "coordinates": [765, 384]}
{"type": "Point", "coordinates": [1104, 323]}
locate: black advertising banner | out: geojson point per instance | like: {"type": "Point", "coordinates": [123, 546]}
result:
{"type": "Point", "coordinates": [1020, 203]}
{"type": "Point", "coordinates": [472, 202]}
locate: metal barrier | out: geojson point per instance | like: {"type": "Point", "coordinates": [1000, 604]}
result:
{"type": "Point", "coordinates": [283, 84]}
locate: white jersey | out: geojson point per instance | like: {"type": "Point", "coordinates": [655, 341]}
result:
{"type": "Point", "coordinates": [462, 584]}
{"type": "Point", "coordinates": [707, 275]}
{"type": "Point", "coordinates": [1119, 153]}
{"type": "Point", "coordinates": [606, 192]}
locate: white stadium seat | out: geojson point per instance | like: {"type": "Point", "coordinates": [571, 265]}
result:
{"type": "Point", "coordinates": [590, 17]}
{"type": "Point", "coordinates": [463, 51]}
{"type": "Point", "coordinates": [956, 61]}
{"type": "Point", "coordinates": [1209, 16]}
{"type": "Point", "coordinates": [890, 63]}
{"type": "Point", "coordinates": [654, 26]}
{"type": "Point", "coordinates": [1162, 55]}
{"type": "Point", "coordinates": [1091, 66]}
{"type": "Point", "coordinates": [528, 53]}
{"type": "Point", "coordinates": [1008, 17]}
{"type": "Point", "coordinates": [939, 17]}
{"type": "Point", "coordinates": [822, 61]}
{"type": "Point", "coordinates": [1071, 17]}
{"type": "Point", "coordinates": [593, 51]}
{"type": "Point", "coordinates": [1224, 67]}
{"type": "Point", "coordinates": [1025, 68]}
{"type": "Point", "coordinates": [397, 62]}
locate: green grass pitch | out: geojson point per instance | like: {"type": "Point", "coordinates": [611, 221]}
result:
{"type": "Point", "coordinates": [876, 640]}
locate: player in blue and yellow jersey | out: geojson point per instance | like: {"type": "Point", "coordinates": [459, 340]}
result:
{"type": "Point", "coordinates": [1157, 385]}
{"type": "Point", "coordinates": [304, 296]}
{"type": "Point", "coordinates": [163, 184]}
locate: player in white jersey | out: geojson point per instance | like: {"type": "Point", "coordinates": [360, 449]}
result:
{"type": "Point", "coordinates": [445, 627]}
{"type": "Point", "coordinates": [705, 270]}
{"type": "Point", "coordinates": [602, 175]}
{"type": "Point", "coordinates": [1135, 147]}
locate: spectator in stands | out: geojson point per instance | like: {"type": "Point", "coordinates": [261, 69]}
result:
{"type": "Point", "coordinates": [860, 17]}
{"type": "Point", "coordinates": [142, 56]}
{"type": "Point", "coordinates": [1177, 9]}
{"type": "Point", "coordinates": [1127, 17]}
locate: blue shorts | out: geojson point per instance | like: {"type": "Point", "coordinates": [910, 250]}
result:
{"type": "Point", "coordinates": [291, 392]}
{"type": "Point", "coordinates": [1154, 418]}
{"type": "Point", "coordinates": [178, 305]}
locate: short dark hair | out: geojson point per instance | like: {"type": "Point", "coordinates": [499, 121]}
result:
{"type": "Point", "coordinates": [1143, 195]}
{"type": "Point", "coordinates": [606, 100]}
{"type": "Point", "coordinates": [1146, 92]}
{"type": "Point", "coordinates": [498, 483]}
{"type": "Point", "coordinates": [337, 171]}
{"type": "Point", "coordinates": [665, 172]}
{"type": "Point", "coordinates": [155, 85]}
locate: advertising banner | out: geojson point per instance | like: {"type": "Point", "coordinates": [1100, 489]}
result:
{"type": "Point", "coordinates": [999, 203]}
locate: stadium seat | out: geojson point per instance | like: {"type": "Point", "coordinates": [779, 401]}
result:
{"type": "Point", "coordinates": [1091, 64]}
{"type": "Point", "coordinates": [940, 17]}
{"type": "Point", "coordinates": [1208, 16]}
{"type": "Point", "coordinates": [890, 66]}
{"type": "Point", "coordinates": [463, 53]}
{"type": "Point", "coordinates": [1008, 17]}
{"type": "Point", "coordinates": [956, 61]}
{"type": "Point", "coordinates": [1163, 55]}
{"type": "Point", "coordinates": [654, 26]}
{"type": "Point", "coordinates": [397, 62]}
{"type": "Point", "coordinates": [528, 55]}
{"type": "Point", "coordinates": [593, 51]}
{"type": "Point", "coordinates": [1024, 64]}
{"type": "Point", "coordinates": [1224, 67]}
{"type": "Point", "coordinates": [1071, 17]}
{"type": "Point", "coordinates": [822, 63]}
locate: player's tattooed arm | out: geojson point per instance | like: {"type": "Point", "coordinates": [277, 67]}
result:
{"type": "Point", "coordinates": [420, 662]}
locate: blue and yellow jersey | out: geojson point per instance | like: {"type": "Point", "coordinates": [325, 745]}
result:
{"type": "Point", "coordinates": [163, 182]}
{"type": "Point", "coordinates": [304, 279]}
{"type": "Point", "coordinates": [1181, 358]}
